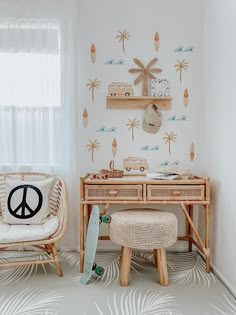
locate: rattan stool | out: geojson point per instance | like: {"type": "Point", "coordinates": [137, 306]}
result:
{"type": "Point", "coordinates": [143, 229]}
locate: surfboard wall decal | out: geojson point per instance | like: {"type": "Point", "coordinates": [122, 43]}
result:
{"type": "Point", "coordinates": [114, 147]}
{"type": "Point", "coordinates": [186, 97]}
{"type": "Point", "coordinates": [85, 118]}
{"type": "Point", "coordinates": [156, 41]}
{"type": "Point", "coordinates": [93, 53]}
{"type": "Point", "coordinates": [192, 151]}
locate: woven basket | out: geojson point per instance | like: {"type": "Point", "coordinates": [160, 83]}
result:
{"type": "Point", "coordinates": [112, 172]}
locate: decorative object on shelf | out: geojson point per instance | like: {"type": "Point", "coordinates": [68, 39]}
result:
{"type": "Point", "coordinates": [160, 87]}
{"type": "Point", "coordinates": [120, 89]}
{"type": "Point", "coordinates": [170, 137]}
{"type": "Point", "coordinates": [152, 119]}
{"type": "Point", "coordinates": [114, 62]}
{"type": "Point", "coordinates": [135, 163]}
{"type": "Point", "coordinates": [186, 97]}
{"type": "Point", "coordinates": [184, 49]}
{"type": "Point", "coordinates": [145, 73]}
{"type": "Point", "coordinates": [122, 37]}
{"type": "Point", "coordinates": [93, 84]}
{"type": "Point", "coordinates": [192, 151]}
{"type": "Point", "coordinates": [93, 53]}
{"type": "Point", "coordinates": [148, 147]}
{"type": "Point", "coordinates": [92, 146]}
{"type": "Point", "coordinates": [156, 41]}
{"type": "Point", "coordinates": [97, 176]}
{"type": "Point", "coordinates": [132, 124]}
{"type": "Point", "coordinates": [114, 147]}
{"type": "Point", "coordinates": [111, 173]}
{"type": "Point", "coordinates": [85, 118]}
{"type": "Point", "coordinates": [180, 66]}
{"type": "Point", "coordinates": [174, 118]}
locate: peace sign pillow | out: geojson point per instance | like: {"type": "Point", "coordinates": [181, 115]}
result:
{"type": "Point", "coordinates": [27, 202]}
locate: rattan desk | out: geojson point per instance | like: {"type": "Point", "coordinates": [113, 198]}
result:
{"type": "Point", "coordinates": [140, 190]}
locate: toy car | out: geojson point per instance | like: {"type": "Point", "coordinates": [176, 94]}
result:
{"type": "Point", "coordinates": [135, 163]}
{"type": "Point", "coordinates": [120, 89]}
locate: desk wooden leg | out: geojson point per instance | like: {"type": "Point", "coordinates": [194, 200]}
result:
{"type": "Point", "coordinates": [155, 259]}
{"type": "Point", "coordinates": [190, 232]}
{"type": "Point", "coordinates": [81, 237]}
{"type": "Point", "coordinates": [207, 236]}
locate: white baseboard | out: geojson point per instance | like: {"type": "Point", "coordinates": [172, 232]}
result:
{"type": "Point", "coordinates": [223, 280]}
{"type": "Point", "coordinates": [221, 277]}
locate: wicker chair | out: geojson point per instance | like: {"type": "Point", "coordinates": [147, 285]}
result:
{"type": "Point", "coordinates": [58, 207]}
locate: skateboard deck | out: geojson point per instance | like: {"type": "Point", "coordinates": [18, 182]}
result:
{"type": "Point", "coordinates": [91, 244]}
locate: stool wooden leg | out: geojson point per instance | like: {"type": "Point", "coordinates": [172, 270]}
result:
{"type": "Point", "coordinates": [125, 266]}
{"type": "Point", "coordinates": [155, 257]}
{"type": "Point", "coordinates": [162, 264]}
{"type": "Point", "coordinates": [121, 255]}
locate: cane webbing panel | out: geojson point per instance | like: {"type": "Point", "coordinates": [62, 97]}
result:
{"type": "Point", "coordinates": [113, 192]}
{"type": "Point", "coordinates": [172, 192]}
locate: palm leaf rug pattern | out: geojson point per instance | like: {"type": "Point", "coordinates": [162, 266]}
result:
{"type": "Point", "coordinates": [37, 290]}
{"type": "Point", "coordinates": [189, 269]}
{"type": "Point", "coordinates": [110, 261]}
{"type": "Point", "coordinates": [22, 272]}
{"type": "Point", "coordinates": [138, 302]}
{"type": "Point", "coordinates": [30, 302]}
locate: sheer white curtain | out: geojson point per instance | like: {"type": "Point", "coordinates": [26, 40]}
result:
{"type": "Point", "coordinates": [38, 95]}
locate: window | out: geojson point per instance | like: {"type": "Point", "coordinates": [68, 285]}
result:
{"type": "Point", "coordinates": [30, 93]}
{"type": "Point", "coordinates": [30, 65]}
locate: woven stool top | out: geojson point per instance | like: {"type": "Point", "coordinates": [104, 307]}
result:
{"type": "Point", "coordinates": [143, 228]}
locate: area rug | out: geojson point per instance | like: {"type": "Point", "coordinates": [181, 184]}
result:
{"type": "Point", "coordinates": [37, 290]}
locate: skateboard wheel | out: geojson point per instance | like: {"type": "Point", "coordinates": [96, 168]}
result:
{"type": "Point", "coordinates": [99, 270]}
{"type": "Point", "coordinates": [94, 266]}
{"type": "Point", "coordinates": [106, 219]}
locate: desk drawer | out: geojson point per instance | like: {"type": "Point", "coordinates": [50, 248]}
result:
{"type": "Point", "coordinates": [175, 192]}
{"type": "Point", "coordinates": [113, 192]}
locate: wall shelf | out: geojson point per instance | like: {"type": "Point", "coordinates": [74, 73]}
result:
{"type": "Point", "coordinates": [137, 102]}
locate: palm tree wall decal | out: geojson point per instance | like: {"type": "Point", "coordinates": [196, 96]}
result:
{"type": "Point", "coordinates": [180, 66]}
{"type": "Point", "coordinates": [169, 138]}
{"type": "Point", "coordinates": [93, 53]}
{"type": "Point", "coordinates": [132, 124]}
{"type": "Point", "coordinates": [122, 37]}
{"type": "Point", "coordinates": [92, 146]}
{"type": "Point", "coordinates": [93, 84]}
{"type": "Point", "coordinates": [145, 73]}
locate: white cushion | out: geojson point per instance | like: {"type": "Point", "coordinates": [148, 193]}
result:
{"type": "Point", "coordinates": [17, 233]}
{"type": "Point", "coordinates": [27, 202]}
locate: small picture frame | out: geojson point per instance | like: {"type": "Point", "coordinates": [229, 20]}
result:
{"type": "Point", "coordinates": [160, 88]}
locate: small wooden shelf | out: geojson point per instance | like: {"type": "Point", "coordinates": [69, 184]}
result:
{"type": "Point", "coordinates": [137, 102]}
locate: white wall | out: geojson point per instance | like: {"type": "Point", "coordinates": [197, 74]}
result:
{"type": "Point", "coordinates": [179, 23]}
{"type": "Point", "coordinates": [218, 139]}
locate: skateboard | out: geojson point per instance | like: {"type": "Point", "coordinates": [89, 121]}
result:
{"type": "Point", "coordinates": [91, 244]}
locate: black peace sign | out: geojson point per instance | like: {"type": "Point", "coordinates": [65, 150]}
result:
{"type": "Point", "coordinates": [23, 205]}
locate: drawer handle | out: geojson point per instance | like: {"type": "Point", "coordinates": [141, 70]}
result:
{"type": "Point", "coordinates": [113, 192]}
{"type": "Point", "coordinates": [176, 193]}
